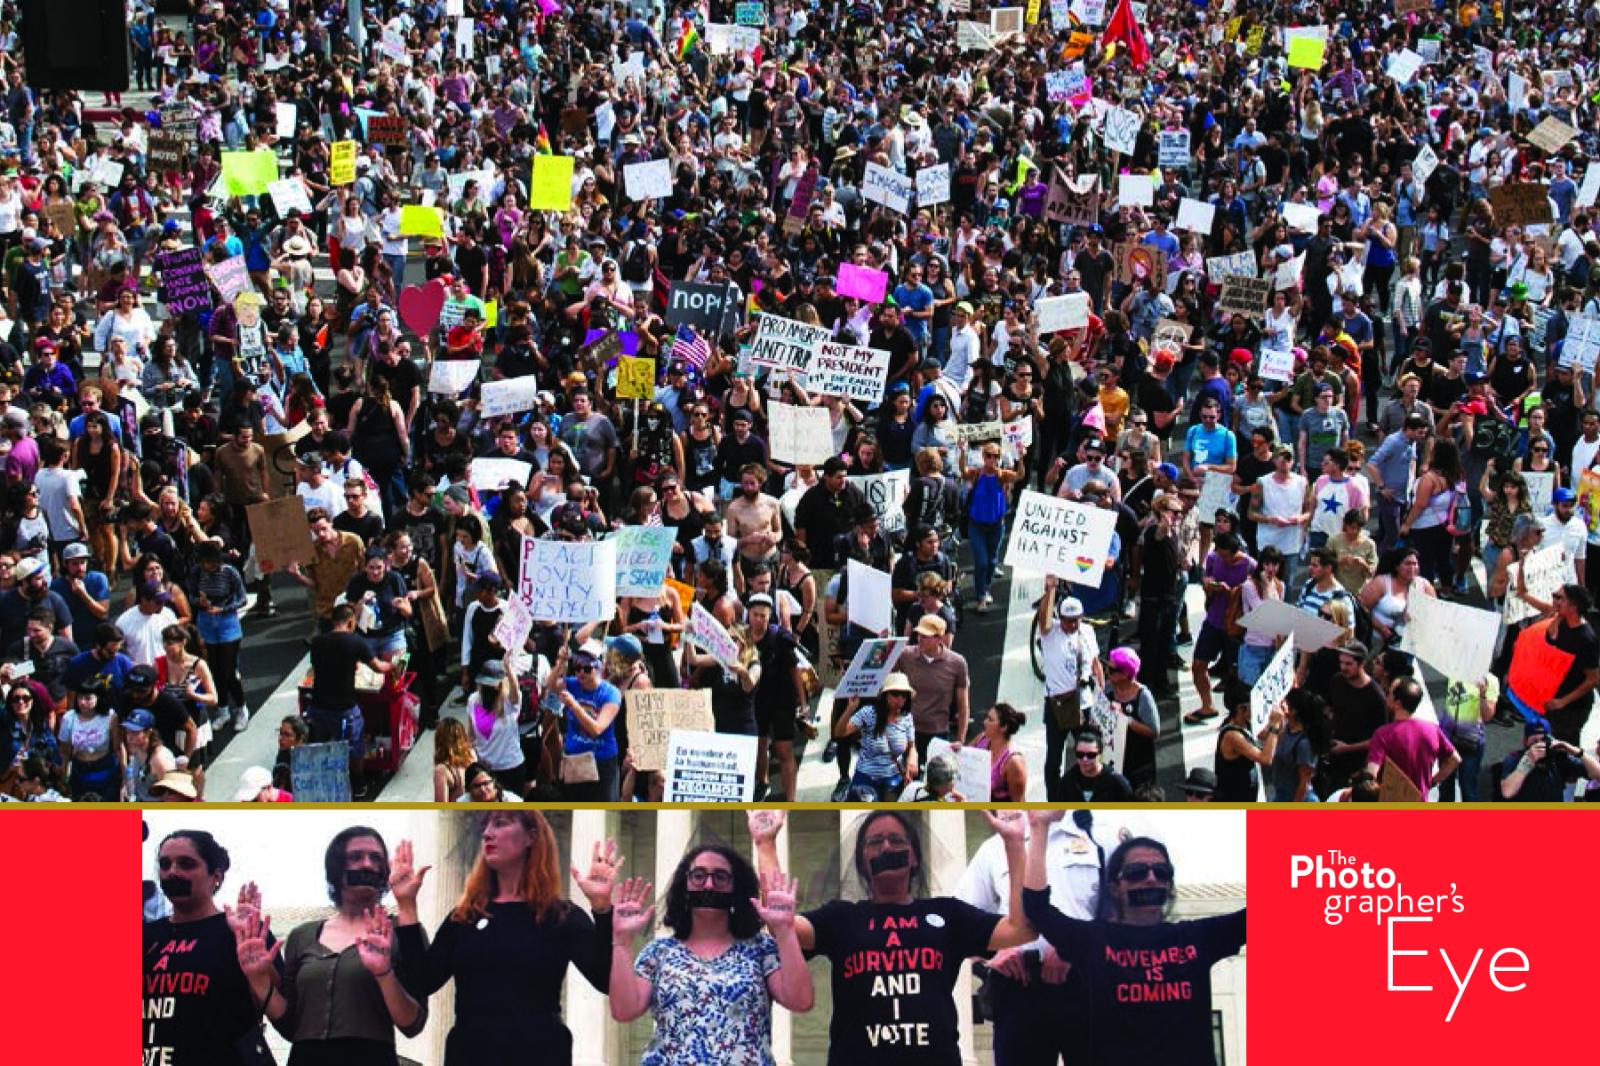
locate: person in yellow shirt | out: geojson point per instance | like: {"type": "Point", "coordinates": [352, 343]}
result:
{"type": "Point", "coordinates": [1113, 400]}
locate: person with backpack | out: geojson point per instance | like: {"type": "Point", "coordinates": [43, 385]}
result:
{"type": "Point", "coordinates": [1436, 510]}
{"type": "Point", "coordinates": [639, 263]}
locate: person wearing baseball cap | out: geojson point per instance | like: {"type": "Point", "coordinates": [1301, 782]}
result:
{"type": "Point", "coordinates": [1564, 526]}
{"type": "Point", "coordinates": [1070, 656]}
{"type": "Point", "coordinates": [589, 743]}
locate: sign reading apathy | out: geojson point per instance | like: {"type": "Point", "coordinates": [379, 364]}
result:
{"type": "Point", "coordinates": [654, 714]}
{"type": "Point", "coordinates": [567, 581]}
{"type": "Point", "coordinates": [1063, 538]}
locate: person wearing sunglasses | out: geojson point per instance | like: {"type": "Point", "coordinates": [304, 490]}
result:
{"type": "Point", "coordinates": [1140, 1019]}
{"type": "Point", "coordinates": [710, 983]}
{"type": "Point", "coordinates": [589, 748]}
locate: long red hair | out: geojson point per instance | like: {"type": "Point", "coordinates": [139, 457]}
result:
{"type": "Point", "coordinates": [541, 874]}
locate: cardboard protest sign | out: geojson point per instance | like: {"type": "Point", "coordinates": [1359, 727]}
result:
{"type": "Point", "coordinates": [888, 187]}
{"type": "Point", "coordinates": [1136, 262]}
{"type": "Point", "coordinates": [887, 494]}
{"type": "Point", "coordinates": [568, 581]}
{"type": "Point", "coordinates": [701, 304]}
{"type": "Point", "coordinates": [863, 283]}
{"type": "Point", "coordinates": [1522, 203]}
{"type": "Point", "coordinates": [786, 343]}
{"type": "Point", "coordinates": [706, 767]}
{"type": "Point", "coordinates": [869, 603]}
{"type": "Point", "coordinates": [648, 181]}
{"type": "Point", "coordinates": [800, 434]}
{"type": "Point", "coordinates": [1395, 787]}
{"type": "Point", "coordinates": [846, 370]}
{"type": "Point", "coordinates": [710, 636]}
{"type": "Point", "coordinates": [1005, 22]}
{"type": "Point", "coordinates": [1274, 618]}
{"type": "Point", "coordinates": [1456, 640]}
{"type": "Point", "coordinates": [320, 773]}
{"type": "Point", "coordinates": [508, 396]}
{"type": "Point", "coordinates": [280, 533]}
{"type": "Point", "coordinates": [636, 378]}
{"type": "Point", "coordinates": [166, 152]}
{"type": "Point", "coordinates": [1056, 313]}
{"type": "Point", "coordinates": [1245, 296]}
{"type": "Point", "coordinates": [595, 354]}
{"type": "Point", "coordinates": [644, 554]}
{"type": "Point", "coordinates": [1063, 538]}
{"type": "Point", "coordinates": [654, 714]}
{"type": "Point", "coordinates": [1075, 202]}
{"type": "Point", "coordinates": [933, 185]}
{"type": "Point", "coordinates": [184, 288]}
{"type": "Point", "coordinates": [386, 130]}
{"type": "Point", "coordinates": [1273, 684]}
{"type": "Point", "coordinates": [972, 768]}
{"type": "Point", "coordinates": [873, 662]}
{"type": "Point", "coordinates": [1551, 134]}
{"type": "Point", "coordinates": [1546, 571]}
{"type": "Point", "coordinates": [550, 183]}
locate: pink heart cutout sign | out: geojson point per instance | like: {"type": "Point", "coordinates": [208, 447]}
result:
{"type": "Point", "coordinates": [421, 306]}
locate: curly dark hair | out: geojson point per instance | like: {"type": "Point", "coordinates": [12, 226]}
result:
{"type": "Point", "coordinates": [214, 855]}
{"type": "Point", "coordinates": [744, 922]}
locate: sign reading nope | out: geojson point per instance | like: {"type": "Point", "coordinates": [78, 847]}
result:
{"type": "Point", "coordinates": [699, 304]}
{"type": "Point", "coordinates": [1062, 538]}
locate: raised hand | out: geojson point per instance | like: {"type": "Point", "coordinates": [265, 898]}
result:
{"type": "Point", "coordinates": [776, 905]}
{"type": "Point", "coordinates": [247, 907]}
{"type": "Point", "coordinates": [632, 911]}
{"type": "Point", "coordinates": [1045, 816]}
{"type": "Point", "coordinates": [375, 943]}
{"type": "Point", "coordinates": [764, 825]}
{"type": "Point", "coordinates": [597, 884]}
{"type": "Point", "coordinates": [405, 878]}
{"type": "Point", "coordinates": [250, 930]}
{"type": "Point", "coordinates": [1008, 825]}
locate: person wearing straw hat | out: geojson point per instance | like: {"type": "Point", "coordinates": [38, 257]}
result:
{"type": "Point", "coordinates": [888, 754]}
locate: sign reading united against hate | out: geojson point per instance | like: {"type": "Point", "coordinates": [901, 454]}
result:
{"type": "Point", "coordinates": [569, 582]}
{"type": "Point", "coordinates": [1061, 538]}
{"type": "Point", "coordinates": [846, 370]}
{"type": "Point", "coordinates": [653, 716]}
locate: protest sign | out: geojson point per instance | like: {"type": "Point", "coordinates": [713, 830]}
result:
{"type": "Point", "coordinates": [249, 173]}
{"type": "Point", "coordinates": [386, 130]}
{"type": "Point", "coordinates": [596, 353]}
{"type": "Point", "coordinates": [701, 304]}
{"type": "Point", "coordinates": [846, 370]}
{"type": "Point", "coordinates": [1216, 493]}
{"type": "Point", "coordinates": [289, 195]}
{"type": "Point", "coordinates": [449, 377]}
{"type": "Point", "coordinates": [872, 663]}
{"type": "Point", "coordinates": [1121, 132]}
{"type": "Point", "coordinates": [1541, 486]}
{"type": "Point", "coordinates": [749, 13]}
{"type": "Point", "coordinates": [508, 396]}
{"type": "Point", "coordinates": [1170, 336]}
{"type": "Point", "coordinates": [1245, 296]}
{"type": "Point", "coordinates": [1135, 190]}
{"type": "Point", "coordinates": [1056, 313]}
{"type": "Point", "coordinates": [648, 181]}
{"type": "Point", "coordinates": [183, 281]}
{"type": "Point", "coordinates": [643, 555]}
{"type": "Point", "coordinates": [1173, 148]}
{"type": "Point", "coordinates": [1516, 91]}
{"type": "Point", "coordinates": [786, 343]}
{"type": "Point", "coordinates": [864, 283]}
{"type": "Point", "coordinates": [886, 493]}
{"type": "Point", "coordinates": [1196, 216]}
{"type": "Point", "coordinates": [1277, 364]}
{"type": "Point", "coordinates": [342, 163]}
{"type": "Point", "coordinates": [1064, 85]}
{"type": "Point", "coordinates": [550, 183]}
{"type": "Point", "coordinates": [1005, 22]}
{"type": "Point", "coordinates": [636, 378]}
{"type": "Point", "coordinates": [1551, 134]}
{"type": "Point", "coordinates": [1286, 276]}
{"type": "Point", "coordinates": [1454, 639]}
{"type": "Point", "coordinates": [1301, 218]}
{"type": "Point", "coordinates": [1405, 7]}
{"type": "Point", "coordinates": [1423, 166]}
{"type": "Point", "coordinates": [516, 622]}
{"type": "Point", "coordinates": [1273, 684]}
{"type": "Point", "coordinates": [279, 531]}
{"type": "Point", "coordinates": [229, 276]}
{"type": "Point", "coordinates": [166, 151]}
{"type": "Point", "coordinates": [800, 434]}
{"type": "Point", "coordinates": [653, 716]}
{"type": "Point", "coordinates": [179, 119]}
{"type": "Point", "coordinates": [933, 185]}
{"type": "Point", "coordinates": [870, 604]}
{"type": "Point", "coordinates": [1113, 729]}
{"type": "Point", "coordinates": [489, 473]}
{"type": "Point", "coordinates": [1075, 202]}
{"type": "Point", "coordinates": [419, 221]}
{"type": "Point", "coordinates": [320, 773]}
{"type": "Point", "coordinates": [283, 116]}
{"type": "Point", "coordinates": [632, 67]}
{"type": "Point", "coordinates": [1136, 262]}
{"type": "Point", "coordinates": [1274, 618]}
{"type": "Point", "coordinates": [888, 187]}
{"type": "Point", "coordinates": [1063, 538]}
{"type": "Point", "coordinates": [706, 767]}
{"type": "Point", "coordinates": [1239, 264]}
{"type": "Point", "coordinates": [1396, 786]}
{"type": "Point", "coordinates": [1404, 64]}
{"type": "Point", "coordinates": [973, 37]}
{"type": "Point", "coordinates": [1545, 571]}
{"type": "Point", "coordinates": [1522, 203]}
{"type": "Point", "coordinates": [568, 581]}
{"type": "Point", "coordinates": [1537, 666]}
{"type": "Point", "coordinates": [727, 39]}
{"type": "Point", "coordinates": [1590, 189]}
{"type": "Point", "coordinates": [1582, 343]}
{"type": "Point", "coordinates": [972, 768]}
{"type": "Point", "coordinates": [708, 633]}
{"type": "Point", "coordinates": [1307, 53]}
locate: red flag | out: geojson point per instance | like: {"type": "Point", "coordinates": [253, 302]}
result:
{"type": "Point", "coordinates": [1124, 28]}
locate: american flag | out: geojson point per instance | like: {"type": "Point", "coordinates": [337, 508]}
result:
{"type": "Point", "coordinates": [690, 347]}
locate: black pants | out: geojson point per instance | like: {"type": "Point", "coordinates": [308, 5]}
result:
{"type": "Point", "coordinates": [1038, 1024]}
{"type": "Point", "coordinates": [223, 659]}
{"type": "Point", "coordinates": [1156, 621]}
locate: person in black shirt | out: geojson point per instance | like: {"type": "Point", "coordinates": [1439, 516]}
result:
{"type": "Point", "coordinates": [207, 975]}
{"type": "Point", "coordinates": [334, 658]}
{"type": "Point", "coordinates": [826, 510]}
{"type": "Point", "coordinates": [1143, 1015]}
{"type": "Point", "coordinates": [179, 731]}
{"type": "Point", "coordinates": [1088, 780]}
{"type": "Point", "coordinates": [1160, 567]}
{"type": "Point", "coordinates": [355, 518]}
{"type": "Point", "coordinates": [1540, 772]}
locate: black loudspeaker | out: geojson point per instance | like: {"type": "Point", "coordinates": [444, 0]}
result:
{"type": "Point", "coordinates": [75, 44]}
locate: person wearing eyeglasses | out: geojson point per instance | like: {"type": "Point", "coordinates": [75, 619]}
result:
{"type": "Point", "coordinates": [710, 983]}
{"type": "Point", "coordinates": [894, 923]}
{"type": "Point", "coordinates": [1139, 1019]}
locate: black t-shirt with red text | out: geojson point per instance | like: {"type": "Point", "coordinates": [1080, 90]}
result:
{"type": "Point", "coordinates": [1149, 985]}
{"type": "Point", "coordinates": [197, 1002]}
{"type": "Point", "coordinates": [894, 969]}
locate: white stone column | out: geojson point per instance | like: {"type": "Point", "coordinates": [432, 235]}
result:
{"type": "Point", "coordinates": [946, 850]}
{"type": "Point", "coordinates": [442, 839]}
{"type": "Point", "coordinates": [596, 1039]}
{"type": "Point", "coordinates": [782, 1020]}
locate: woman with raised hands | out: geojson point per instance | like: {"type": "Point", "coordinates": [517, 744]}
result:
{"type": "Point", "coordinates": [710, 984]}
{"type": "Point", "coordinates": [340, 999]}
{"type": "Point", "coordinates": [899, 932]}
{"type": "Point", "coordinates": [508, 942]}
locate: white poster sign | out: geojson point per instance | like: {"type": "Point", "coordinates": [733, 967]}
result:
{"type": "Point", "coordinates": [1274, 618]}
{"type": "Point", "coordinates": [710, 767]}
{"type": "Point", "coordinates": [1195, 216]}
{"type": "Point", "coordinates": [1301, 218]}
{"type": "Point", "coordinates": [1173, 148]}
{"type": "Point", "coordinates": [869, 604]}
{"type": "Point", "coordinates": [1454, 639]}
{"type": "Point", "coordinates": [648, 181]}
{"type": "Point", "coordinates": [569, 581]}
{"type": "Point", "coordinates": [643, 555]}
{"type": "Point", "coordinates": [873, 662]}
{"type": "Point", "coordinates": [1423, 166]}
{"type": "Point", "coordinates": [846, 370]}
{"type": "Point", "coordinates": [1273, 684]}
{"type": "Point", "coordinates": [933, 185]}
{"type": "Point", "coordinates": [509, 396]}
{"type": "Point", "coordinates": [1277, 364]}
{"type": "Point", "coordinates": [1547, 570]}
{"type": "Point", "coordinates": [491, 473]}
{"type": "Point", "coordinates": [1061, 537]}
{"type": "Point", "coordinates": [449, 377]}
{"type": "Point", "coordinates": [800, 434]}
{"type": "Point", "coordinates": [1121, 132]}
{"type": "Point", "coordinates": [708, 633]}
{"type": "Point", "coordinates": [1135, 190]}
{"type": "Point", "coordinates": [1057, 313]}
{"type": "Point", "coordinates": [887, 494]}
{"type": "Point", "coordinates": [889, 188]}
{"type": "Point", "coordinates": [288, 194]}
{"type": "Point", "coordinates": [786, 343]}
{"type": "Point", "coordinates": [972, 768]}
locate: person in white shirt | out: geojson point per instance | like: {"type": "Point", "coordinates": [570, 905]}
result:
{"type": "Point", "coordinates": [1070, 653]}
{"type": "Point", "coordinates": [1030, 983]}
{"type": "Point", "coordinates": [316, 489]}
{"type": "Point", "coordinates": [1587, 448]}
{"type": "Point", "coordinates": [1564, 526]}
{"type": "Point", "coordinates": [142, 624]}
{"type": "Point", "coordinates": [965, 349]}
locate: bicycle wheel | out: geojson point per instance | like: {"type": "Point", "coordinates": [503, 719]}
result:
{"type": "Point", "coordinates": [1036, 647]}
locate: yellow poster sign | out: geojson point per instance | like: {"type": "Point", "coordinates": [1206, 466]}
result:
{"type": "Point", "coordinates": [550, 185]}
{"type": "Point", "coordinates": [342, 163]}
{"type": "Point", "coordinates": [636, 378]}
